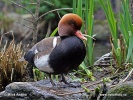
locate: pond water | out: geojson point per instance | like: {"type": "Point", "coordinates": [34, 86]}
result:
{"type": "Point", "coordinates": [100, 49]}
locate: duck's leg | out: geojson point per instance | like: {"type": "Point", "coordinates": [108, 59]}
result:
{"type": "Point", "coordinates": [49, 75]}
{"type": "Point", "coordinates": [30, 70]}
{"type": "Point", "coordinates": [69, 84]}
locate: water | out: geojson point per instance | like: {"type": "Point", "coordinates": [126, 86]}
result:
{"type": "Point", "coordinates": [100, 49]}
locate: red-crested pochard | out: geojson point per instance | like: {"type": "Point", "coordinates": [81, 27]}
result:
{"type": "Point", "coordinates": [61, 54]}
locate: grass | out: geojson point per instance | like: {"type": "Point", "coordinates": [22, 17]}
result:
{"type": "Point", "coordinates": [126, 28]}
{"type": "Point", "coordinates": [86, 13]}
{"type": "Point", "coordinates": [121, 43]}
{"type": "Point", "coordinates": [113, 28]}
{"type": "Point", "coordinates": [11, 69]}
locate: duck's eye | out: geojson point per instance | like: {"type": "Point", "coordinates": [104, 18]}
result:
{"type": "Point", "coordinates": [72, 25]}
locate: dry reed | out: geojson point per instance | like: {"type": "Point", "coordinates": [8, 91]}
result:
{"type": "Point", "coordinates": [11, 69]}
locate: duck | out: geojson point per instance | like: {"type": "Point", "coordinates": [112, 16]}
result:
{"type": "Point", "coordinates": [61, 54]}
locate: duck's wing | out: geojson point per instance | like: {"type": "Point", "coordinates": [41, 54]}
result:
{"type": "Point", "coordinates": [43, 47]}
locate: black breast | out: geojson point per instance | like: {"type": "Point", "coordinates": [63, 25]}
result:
{"type": "Point", "coordinates": [29, 56]}
{"type": "Point", "coordinates": [68, 55]}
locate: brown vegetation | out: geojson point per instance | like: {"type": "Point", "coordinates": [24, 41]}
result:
{"type": "Point", "coordinates": [10, 68]}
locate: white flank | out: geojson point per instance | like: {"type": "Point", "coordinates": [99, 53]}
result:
{"type": "Point", "coordinates": [54, 42]}
{"type": "Point", "coordinates": [36, 51]}
{"type": "Point", "coordinates": [42, 64]}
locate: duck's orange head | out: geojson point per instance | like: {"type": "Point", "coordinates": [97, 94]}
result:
{"type": "Point", "coordinates": [70, 25]}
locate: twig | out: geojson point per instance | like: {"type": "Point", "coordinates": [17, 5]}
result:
{"type": "Point", "coordinates": [94, 83]}
{"type": "Point", "coordinates": [29, 21]}
{"type": "Point", "coordinates": [12, 74]}
{"type": "Point", "coordinates": [53, 11]}
{"type": "Point", "coordinates": [89, 36]}
{"type": "Point", "coordinates": [37, 9]}
{"type": "Point", "coordinates": [74, 92]}
{"type": "Point", "coordinates": [49, 29]}
{"type": "Point", "coordinates": [6, 33]}
{"type": "Point", "coordinates": [62, 94]}
{"type": "Point", "coordinates": [23, 8]}
{"type": "Point", "coordinates": [58, 14]}
{"type": "Point", "coordinates": [53, 5]}
{"type": "Point", "coordinates": [116, 71]}
{"type": "Point", "coordinates": [48, 2]}
{"type": "Point", "coordinates": [36, 22]}
{"type": "Point", "coordinates": [26, 26]}
{"type": "Point", "coordinates": [27, 35]}
{"type": "Point", "coordinates": [128, 75]}
{"type": "Point", "coordinates": [33, 3]}
{"type": "Point", "coordinates": [112, 86]}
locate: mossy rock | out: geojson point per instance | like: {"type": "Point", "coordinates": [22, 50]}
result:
{"type": "Point", "coordinates": [123, 91]}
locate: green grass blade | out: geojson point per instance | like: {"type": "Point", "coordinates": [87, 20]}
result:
{"type": "Point", "coordinates": [54, 32]}
{"type": "Point", "coordinates": [130, 49]}
{"type": "Point", "coordinates": [124, 29]}
{"type": "Point", "coordinates": [74, 6]}
{"type": "Point", "coordinates": [127, 14]}
{"type": "Point", "coordinates": [111, 20]}
{"type": "Point", "coordinates": [79, 8]}
{"type": "Point", "coordinates": [86, 13]}
{"type": "Point", "coordinates": [90, 22]}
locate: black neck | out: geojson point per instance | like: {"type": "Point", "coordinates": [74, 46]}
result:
{"type": "Point", "coordinates": [63, 37]}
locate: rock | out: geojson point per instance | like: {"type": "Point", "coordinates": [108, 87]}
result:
{"type": "Point", "coordinates": [123, 91]}
{"type": "Point", "coordinates": [105, 60]}
{"type": "Point", "coordinates": [104, 65]}
{"type": "Point", "coordinates": [41, 90]}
